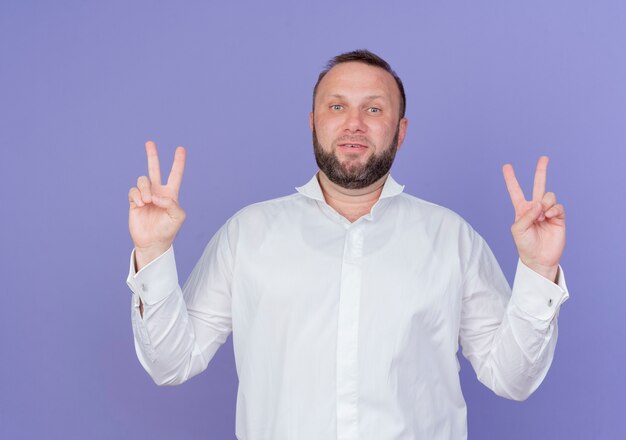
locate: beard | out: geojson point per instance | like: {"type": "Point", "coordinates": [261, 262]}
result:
{"type": "Point", "coordinates": [350, 175]}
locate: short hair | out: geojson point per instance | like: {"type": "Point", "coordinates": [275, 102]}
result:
{"type": "Point", "coordinates": [366, 57]}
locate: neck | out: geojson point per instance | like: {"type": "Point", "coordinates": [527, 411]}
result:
{"type": "Point", "coordinates": [351, 203]}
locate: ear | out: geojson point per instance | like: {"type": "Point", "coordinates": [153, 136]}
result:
{"type": "Point", "coordinates": [311, 120]}
{"type": "Point", "coordinates": [403, 125]}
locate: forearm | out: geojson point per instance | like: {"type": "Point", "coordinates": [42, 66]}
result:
{"type": "Point", "coordinates": [519, 357]}
{"type": "Point", "coordinates": [512, 349]}
{"type": "Point", "coordinates": [143, 257]}
{"type": "Point", "coordinates": [177, 331]}
{"type": "Point", "coordinates": [165, 340]}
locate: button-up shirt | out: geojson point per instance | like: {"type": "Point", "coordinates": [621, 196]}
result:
{"type": "Point", "coordinates": [348, 330]}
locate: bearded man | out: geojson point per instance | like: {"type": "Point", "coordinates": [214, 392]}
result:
{"type": "Point", "coordinates": [347, 300]}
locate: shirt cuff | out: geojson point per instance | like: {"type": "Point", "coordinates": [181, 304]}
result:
{"type": "Point", "coordinates": [536, 295]}
{"type": "Point", "coordinates": [155, 281]}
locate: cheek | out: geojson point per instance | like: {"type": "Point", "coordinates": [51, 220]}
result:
{"type": "Point", "coordinates": [326, 129]}
{"type": "Point", "coordinates": [383, 131]}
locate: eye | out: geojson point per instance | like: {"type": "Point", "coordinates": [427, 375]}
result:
{"type": "Point", "coordinates": [336, 107]}
{"type": "Point", "coordinates": [374, 110]}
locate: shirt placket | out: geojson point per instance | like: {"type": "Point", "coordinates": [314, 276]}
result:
{"type": "Point", "coordinates": [348, 335]}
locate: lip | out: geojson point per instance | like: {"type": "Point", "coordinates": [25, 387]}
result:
{"type": "Point", "coordinates": [352, 146]}
{"type": "Point", "coordinates": [355, 144]}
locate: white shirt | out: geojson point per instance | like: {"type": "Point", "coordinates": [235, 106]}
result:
{"type": "Point", "coordinates": [343, 330]}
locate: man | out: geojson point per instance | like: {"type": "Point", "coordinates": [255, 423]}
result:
{"type": "Point", "coordinates": [348, 299]}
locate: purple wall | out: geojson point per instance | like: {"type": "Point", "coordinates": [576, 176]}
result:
{"type": "Point", "coordinates": [83, 85]}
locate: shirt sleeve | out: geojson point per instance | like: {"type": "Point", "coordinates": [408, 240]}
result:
{"type": "Point", "coordinates": [509, 337]}
{"type": "Point", "coordinates": [181, 329]}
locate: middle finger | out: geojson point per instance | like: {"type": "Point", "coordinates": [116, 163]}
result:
{"type": "Point", "coordinates": [539, 187]}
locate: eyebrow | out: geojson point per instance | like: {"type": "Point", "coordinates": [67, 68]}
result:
{"type": "Point", "coordinates": [370, 97]}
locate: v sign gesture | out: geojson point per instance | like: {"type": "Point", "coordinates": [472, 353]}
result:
{"type": "Point", "coordinates": [155, 217]}
{"type": "Point", "coordinates": [539, 228]}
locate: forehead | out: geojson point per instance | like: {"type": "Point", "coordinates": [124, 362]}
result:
{"type": "Point", "coordinates": [356, 79]}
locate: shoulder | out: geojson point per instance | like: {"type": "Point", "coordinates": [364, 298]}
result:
{"type": "Point", "coordinates": [424, 211]}
{"type": "Point", "coordinates": [447, 232]}
{"type": "Point", "coordinates": [268, 209]}
{"type": "Point", "coordinates": [258, 219]}
{"type": "Point", "coordinates": [436, 222]}
{"type": "Point", "coordinates": [268, 216]}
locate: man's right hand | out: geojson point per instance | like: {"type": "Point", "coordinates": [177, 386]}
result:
{"type": "Point", "coordinates": [154, 217]}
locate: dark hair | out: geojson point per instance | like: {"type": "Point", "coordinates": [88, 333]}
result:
{"type": "Point", "coordinates": [366, 57]}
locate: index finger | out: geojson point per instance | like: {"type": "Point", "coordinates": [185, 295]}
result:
{"type": "Point", "coordinates": [539, 187]}
{"type": "Point", "coordinates": [515, 191]}
{"type": "Point", "coordinates": [178, 167]}
{"type": "Point", "coordinates": [154, 169]}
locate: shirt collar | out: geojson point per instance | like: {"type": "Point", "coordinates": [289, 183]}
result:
{"type": "Point", "coordinates": [313, 190]}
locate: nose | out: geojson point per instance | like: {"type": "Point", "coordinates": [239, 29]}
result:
{"type": "Point", "coordinates": [355, 121]}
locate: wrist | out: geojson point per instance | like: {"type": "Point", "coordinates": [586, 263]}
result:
{"type": "Point", "coordinates": [145, 255]}
{"type": "Point", "coordinates": [548, 272]}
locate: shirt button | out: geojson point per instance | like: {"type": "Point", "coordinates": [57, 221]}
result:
{"type": "Point", "coordinates": [550, 302]}
{"type": "Point", "coordinates": [145, 289]}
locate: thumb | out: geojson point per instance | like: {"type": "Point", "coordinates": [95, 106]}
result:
{"type": "Point", "coordinates": [170, 205]}
{"type": "Point", "coordinates": [527, 220]}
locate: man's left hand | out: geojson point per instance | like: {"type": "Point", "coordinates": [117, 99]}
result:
{"type": "Point", "coordinates": [539, 228]}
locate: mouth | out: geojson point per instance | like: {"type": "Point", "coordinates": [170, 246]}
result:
{"type": "Point", "coordinates": [347, 145]}
{"type": "Point", "coordinates": [352, 147]}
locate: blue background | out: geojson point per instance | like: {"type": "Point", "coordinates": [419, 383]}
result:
{"type": "Point", "coordinates": [84, 84]}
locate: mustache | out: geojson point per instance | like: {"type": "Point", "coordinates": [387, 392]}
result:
{"type": "Point", "coordinates": [356, 139]}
